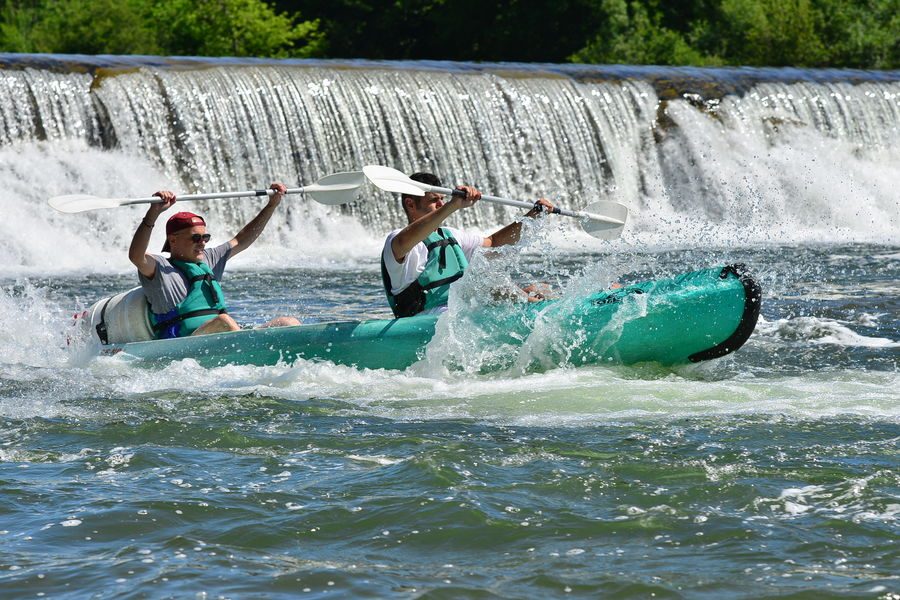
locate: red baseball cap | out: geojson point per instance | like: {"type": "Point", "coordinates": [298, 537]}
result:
{"type": "Point", "coordinates": [179, 221]}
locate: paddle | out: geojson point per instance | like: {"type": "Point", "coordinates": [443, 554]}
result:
{"type": "Point", "coordinates": [339, 188]}
{"type": "Point", "coordinates": [603, 220]}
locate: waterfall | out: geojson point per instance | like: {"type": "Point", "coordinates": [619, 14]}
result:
{"type": "Point", "coordinates": [699, 156]}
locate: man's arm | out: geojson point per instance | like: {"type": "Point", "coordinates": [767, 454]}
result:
{"type": "Point", "coordinates": [422, 227]}
{"type": "Point", "coordinates": [137, 252]}
{"type": "Point", "coordinates": [511, 233]}
{"type": "Point", "coordinates": [407, 238]}
{"type": "Point", "coordinates": [248, 234]}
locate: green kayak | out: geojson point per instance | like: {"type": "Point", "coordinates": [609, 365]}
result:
{"type": "Point", "coordinates": [687, 318]}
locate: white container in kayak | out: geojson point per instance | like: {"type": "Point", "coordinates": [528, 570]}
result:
{"type": "Point", "coordinates": [121, 318]}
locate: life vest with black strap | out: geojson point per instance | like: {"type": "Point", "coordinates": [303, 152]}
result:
{"type": "Point", "coordinates": [203, 302]}
{"type": "Point", "coordinates": [446, 263]}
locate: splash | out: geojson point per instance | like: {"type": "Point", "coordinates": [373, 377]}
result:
{"type": "Point", "coordinates": [469, 338]}
{"type": "Point", "coordinates": [31, 331]}
{"type": "Point", "coordinates": [776, 174]}
{"type": "Point", "coordinates": [818, 330]}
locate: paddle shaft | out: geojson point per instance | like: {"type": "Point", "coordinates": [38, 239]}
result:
{"type": "Point", "coordinates": [602, 220]}
{"type": "Point", "coordinates": [215, 196]}
{"type": "Point", "coordinates": [521, 204]}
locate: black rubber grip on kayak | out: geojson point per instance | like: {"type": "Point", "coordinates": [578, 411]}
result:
{"type": "Point", "coordinates": [459, 192]}
{"type": "Point", "coordinates": [102, 330]}
{"type": "Point", "coordinates": [752, 303]}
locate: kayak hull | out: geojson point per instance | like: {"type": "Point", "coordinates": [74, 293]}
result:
{"type": "Point", "coordinates": [687, 318]}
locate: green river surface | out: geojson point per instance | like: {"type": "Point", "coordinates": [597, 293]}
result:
{"type": "Point", "coordinates": [770, 473]}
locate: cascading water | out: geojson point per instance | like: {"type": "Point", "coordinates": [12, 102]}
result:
{"type": "Point", "coordinates": [759, 162]}
{"type": "Point", "coordinates": [807, 161]}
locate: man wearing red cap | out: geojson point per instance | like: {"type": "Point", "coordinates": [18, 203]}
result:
{"type": "Point", "coordinates": [183, 291]}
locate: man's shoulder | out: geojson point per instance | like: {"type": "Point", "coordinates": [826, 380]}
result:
{"type": "Point", "coordinates": [392, 234]}
{"type": "Point", "coordinates": [390, 237]}
{"type": "Point", "coordinates": [217, 253]}
{"type": "Point", "coordinates": [387, 253]}
{"type": "Point", "coordinates": [160, 260]}
{"type": "Point", "coordinates": [466, 238]}
{"type": "Point", "coordinates": [458, 233]}
{"type": "Point", "coordinates": [162, 270]}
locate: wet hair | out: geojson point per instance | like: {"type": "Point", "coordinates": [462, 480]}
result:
{"type": "Point", "coordinates": [421, 177]}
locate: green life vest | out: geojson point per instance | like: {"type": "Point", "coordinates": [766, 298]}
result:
{"type": "Point", "coordinates": [446, 263]}
{"type": "Point", "coordinates": [203, 302]}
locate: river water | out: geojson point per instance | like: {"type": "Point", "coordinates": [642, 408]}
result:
{"type": "Point", "coordinates": [772, 472]}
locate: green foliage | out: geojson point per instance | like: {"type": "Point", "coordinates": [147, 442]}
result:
{"type": "Point", "coordinates": [771, 32]}
{"type": "Point", "coordinates": [94, 27]}
{"type": "Point", "coordinates": [233, 28]}
{"type": "Point", "coordinates": [632, 34]}
{"type": "Point", "coordinates": [863, 34]}
{"type": "Point", "coordinates": [172, 27]}
{"type": "Point", "coordinates": [16, 23]}
{"type": "Point", "coordinates": [803, 33]}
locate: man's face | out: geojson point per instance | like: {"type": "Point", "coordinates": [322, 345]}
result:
{"type": "Point", "coordinates": [185, 246]}
{"type": "Point", "coordinates": [426, 204]}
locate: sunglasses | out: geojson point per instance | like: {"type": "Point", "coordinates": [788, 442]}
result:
{"type": "Point", "coordinates": [200, 237]}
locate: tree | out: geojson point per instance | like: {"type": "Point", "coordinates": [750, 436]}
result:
{"type": "Point", "coordinates": [173, 27]}
{"type": "Point", "coordinates": [771, 33]}
{"type": "Point", "coordinates": [234, 28]}
{"type": "Point", "coordinates": [17, 20]}
{"type": "Point", "coordinates": [862, 34]}
{"type": "Point", "coordinates": [94, 27]}
{"type": "Point", "coordinates": [632, 33]}
{"type": "Point", "coordinates": [802, 33]}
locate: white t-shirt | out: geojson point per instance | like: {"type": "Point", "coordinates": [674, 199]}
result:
{"type": "Point", "coordinates": [403, 274]}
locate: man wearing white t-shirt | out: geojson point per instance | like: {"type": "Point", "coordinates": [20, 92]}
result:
{"type": "Point", "coordinates": [420, 261]}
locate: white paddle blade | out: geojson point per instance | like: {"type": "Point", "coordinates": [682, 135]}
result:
{"type": "Point", "coordinates": [392, 180]}
{"type": "Point", "coordinates": [340, 188]}
{"type": "Point", "coordinates": [76, 203]}
{"type": "Point", "coordinates": [602, 229]}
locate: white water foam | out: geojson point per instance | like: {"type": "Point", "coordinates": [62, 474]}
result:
{"type": "Point", "coordinates": [803, 162]}
{"type": "Point", "coordinates": [45, 385]}
{"type": "Point", "coordinates": [799, 185]}
{"type": "Point", "coordinates": [464, 340]}
{"type": "Point", "coordinates": [40, 241]}
{"type": "Point", "coordinates": [818, 330]}
{"type": "Point", "coordinates": [562, 397]}
{"type": "Point", "coordinates": [844, 499]}
{"type": "Point", "coordinates": [31, 330]}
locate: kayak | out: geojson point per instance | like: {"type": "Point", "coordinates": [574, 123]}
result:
{"type": "Point", "coordinates": [691, 317]}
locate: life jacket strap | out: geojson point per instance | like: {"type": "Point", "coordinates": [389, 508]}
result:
{"type": "Point", "coordinates": [208, 279]}
{"type": "Point", "coordinates": [442, 244]}
{"type": "Point", "coordinates": [440, 282]}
